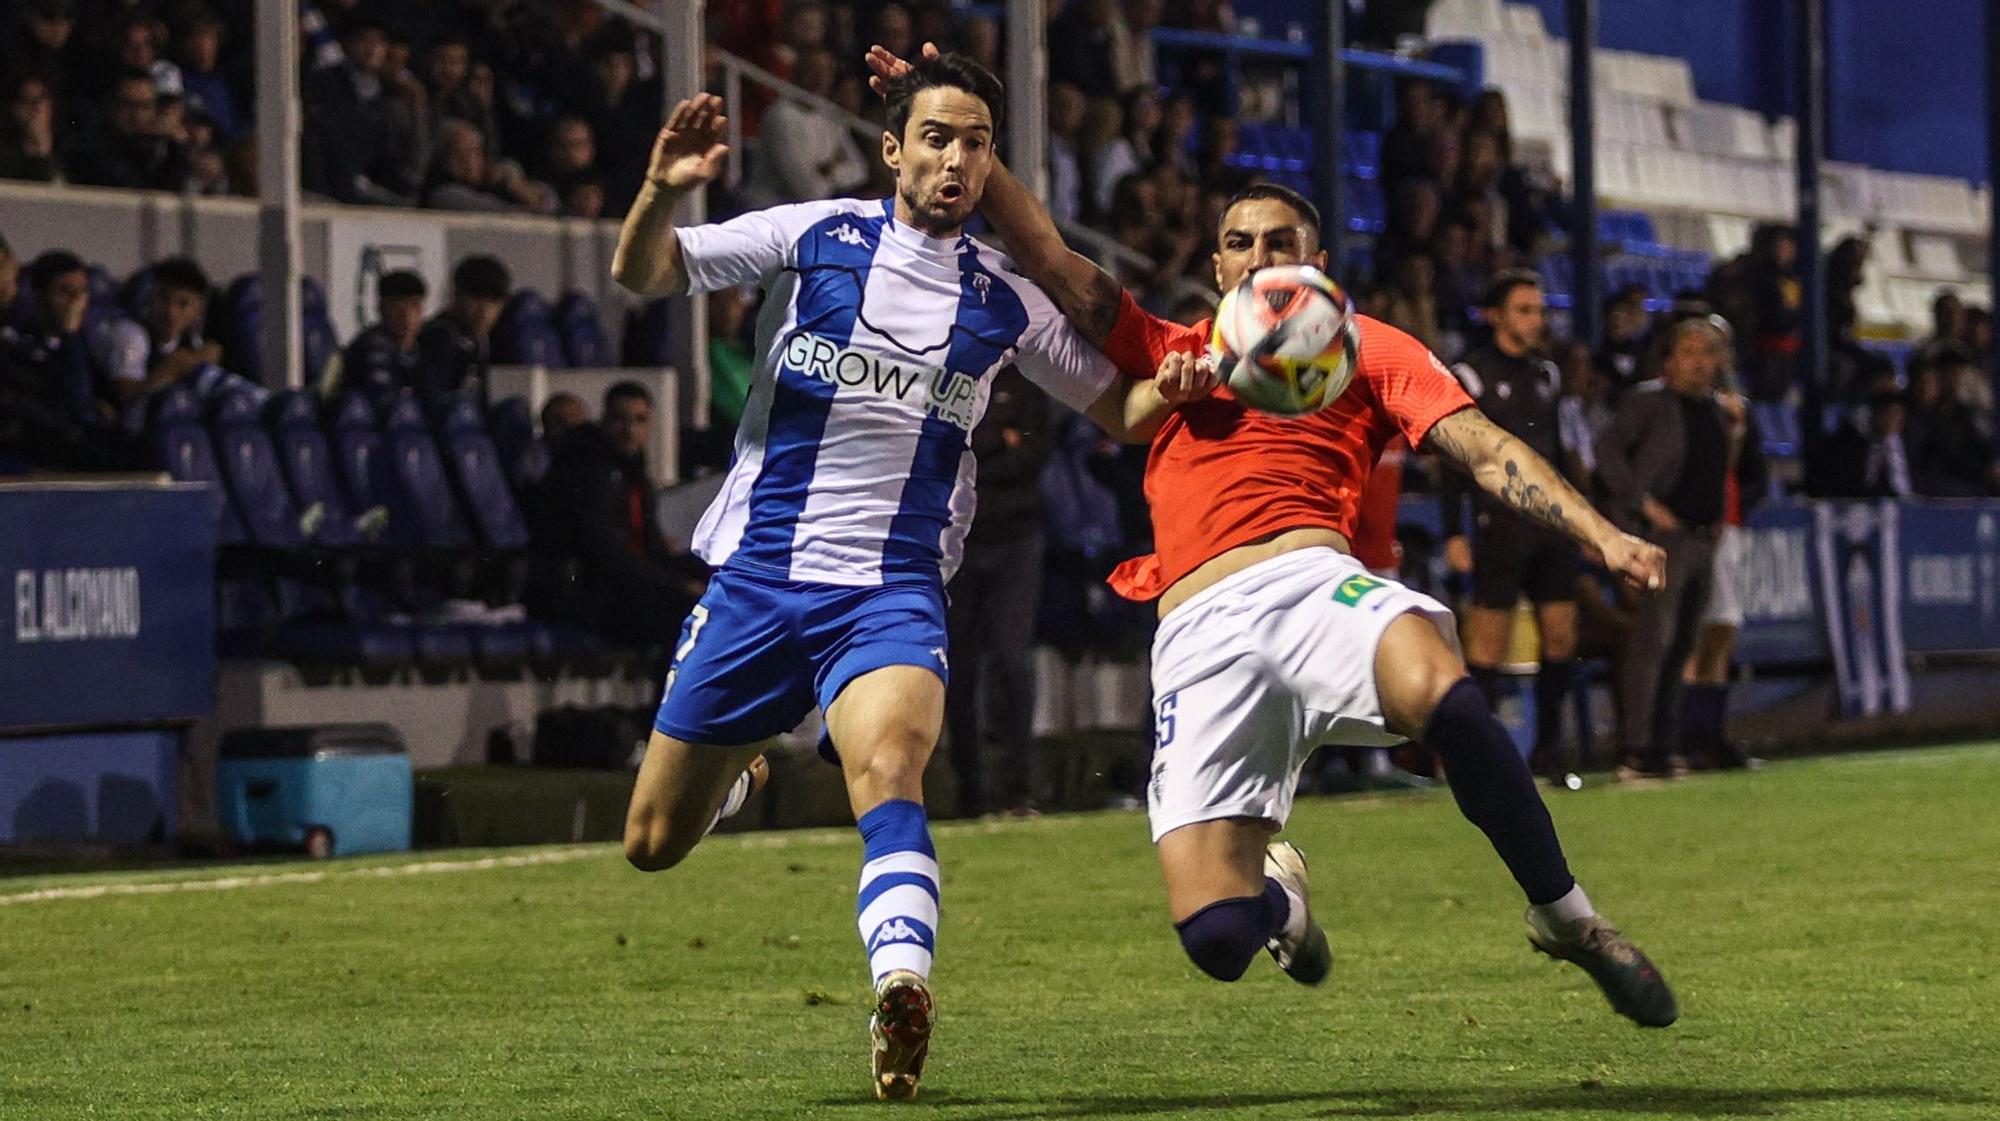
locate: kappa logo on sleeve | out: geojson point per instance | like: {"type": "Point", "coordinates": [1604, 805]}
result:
{"type": "Point", "coordinates": [1355, 588]}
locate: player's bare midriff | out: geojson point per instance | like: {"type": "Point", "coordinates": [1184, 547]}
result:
{"type": "Point", "coordinates": [1225, 565]}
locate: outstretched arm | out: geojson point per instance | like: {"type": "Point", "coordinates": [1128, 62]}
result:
{"type": "Point", "coordinates": [1086, 295]}
{"type": "Point", "coordinates": [1132, 410]}
{"type": "Point", "coordinates": [686, 156]}
{"type": "Point", "coordinates": [1510, 471]}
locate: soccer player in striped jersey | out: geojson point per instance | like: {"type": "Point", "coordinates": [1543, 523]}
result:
{"type": "Point", "coordinates": [1273, 639]}
{"type": "Point", "coordinates": [850, 495]}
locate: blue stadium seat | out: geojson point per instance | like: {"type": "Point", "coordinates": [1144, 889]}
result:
{"type": "Point", "coordinates": [482, 479]}
{"type": "Point", "coordinates": [242, 326]}
{"type": "Point", "coordinates": [419, 487]}
{"type": "Point", "coordinates": [104, 305]}
{"type": "Point", "coordinates": [1779, 424]}
{"type": "Point", "coordinates": [182, 449]}
{"type": "Point", "coordinates": [358, 452]}
{"type": "Point", "coordinates": [308, 465]}
{"type": "Point", "coordinates": [249, 465]}
{"type": "Point", "coordinates": [522, 453]}
{"type": "Point", "coordinates": [583, 339]}
{"type": "Point", "coordinates": [526, 334]}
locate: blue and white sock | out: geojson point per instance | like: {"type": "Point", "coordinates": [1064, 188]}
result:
{"type": "Point", "coordinates": [898, 908]}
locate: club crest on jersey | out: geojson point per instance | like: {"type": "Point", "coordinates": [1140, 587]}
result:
{"type": "Point", "coordinates": [1354, 589]}
{"type": "Point", "coordinates": [981, 282]}
{"type": "Point", "coordinates": [945, 394]}
{"type": "Point", "coordinates": [847, 235]}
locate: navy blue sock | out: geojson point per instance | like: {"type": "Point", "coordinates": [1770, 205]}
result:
{"type": "Point", "coordinates": [1224, 937]}
{"type": "Point", "coordinates": [1552, 686]}
{"type": "Point", "coordinates": [1496, 791]}
{"type": "Point", "coordinates": [1488, 680]}
{"type": "Point", "coordinates": [1703, 709]}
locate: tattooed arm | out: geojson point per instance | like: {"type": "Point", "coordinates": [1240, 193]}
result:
{"type": "Point", "coordinates": [1510, 471]}
{"type": "Point", "coordinates": [1087, 296]}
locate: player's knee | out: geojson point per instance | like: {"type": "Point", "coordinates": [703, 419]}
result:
{"type": "Point", "coordinates": [1414, 671]}
{"type": "Point", "coordinates": [895, 768]}
{"type": "Point", "coordinates": [1223, 938]}
{"type": "Point", "coordinates": [651, 847]}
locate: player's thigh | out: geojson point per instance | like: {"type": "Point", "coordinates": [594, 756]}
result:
{"type": "Point", "coordinates": [1414, 668]}
{"type": "Point", "coordinates": [1228, 740]}
{"type": "Point", "coordinates": [1208, 861]}
{"type": "Point", "coordinates": [884, 724]}
{"type": "Point", "coordinates": [679, 788]}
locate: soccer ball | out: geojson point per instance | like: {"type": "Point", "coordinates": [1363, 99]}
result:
{"type": "Point", "coordinates": [1285, 340]}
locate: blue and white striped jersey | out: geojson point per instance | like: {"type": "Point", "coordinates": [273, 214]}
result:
{"type": "Point", "coordinates": [877, 346]}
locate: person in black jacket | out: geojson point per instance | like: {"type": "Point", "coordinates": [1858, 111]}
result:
{"type": "Point", "coordinates": [600, 560]}
{"type": "Point", "coordinates": [454, 347]}
{"type": "Point", "coordinates": [384, 358]}
{"type": "Point", "coordinates": [994, 597]}
{"type": "Point", "coordinates": [1507, 556]}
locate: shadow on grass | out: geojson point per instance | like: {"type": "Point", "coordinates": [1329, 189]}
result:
{"type": "Point", "coordinates": [1681, 1101]}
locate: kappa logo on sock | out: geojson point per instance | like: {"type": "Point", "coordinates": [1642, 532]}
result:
{"type": "Point", "coordinates": [1355, 588]}
{"type": "Point", "coordinates": [895, 930]}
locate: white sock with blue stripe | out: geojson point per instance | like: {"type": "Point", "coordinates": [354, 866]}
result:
{"type": "Point", "coordinates": [898, 908]}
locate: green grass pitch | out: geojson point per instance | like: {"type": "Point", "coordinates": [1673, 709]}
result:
{"type": "Point", "coordinates": [1830, 926]}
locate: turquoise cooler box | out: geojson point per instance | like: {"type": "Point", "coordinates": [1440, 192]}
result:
{"type": "Point", "coordinates": [332, 790]}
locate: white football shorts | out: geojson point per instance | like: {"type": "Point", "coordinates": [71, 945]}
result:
{"type": "Point", "coordinates": [1725, 596]}
{"type": "Point", "coordinates": [1255, 672]}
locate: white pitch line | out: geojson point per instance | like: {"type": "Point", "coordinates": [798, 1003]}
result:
{"type": "Point", "coordinates": [231, 883]}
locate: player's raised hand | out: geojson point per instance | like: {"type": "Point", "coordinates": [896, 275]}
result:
{"type": "Point", "coordinates": [1185, 377]}
{"type": "Point", "coordinates": [886, 66]}
{"type": "Point", "coordinates": [689, 150]}
{"type": "Point", "coordinates": [1640, 563]}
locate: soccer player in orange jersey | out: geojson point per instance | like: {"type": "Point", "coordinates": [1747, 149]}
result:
{"type": "Point", "coordinates": [1273, 639]}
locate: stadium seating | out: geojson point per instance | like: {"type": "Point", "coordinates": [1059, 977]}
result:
{"type": "Point", "coordinates": [182, 449]}
{"type": "Point", "coordinates": [477, 469]}
{"type": "Point", "coordinates": [582, 332]}
{"type": "Point", "coordinates": [523, 455]}
{"type": "Point", "coordinates": [243, 317]}
{"type": "Point", "coordinates": [526, 334]}
{"type": "Point", "coordinates": [420, 492]}
{"type": "Point", "coordinates": [250, 468]}
{"type": "Point", "coordinates": [309, 470]}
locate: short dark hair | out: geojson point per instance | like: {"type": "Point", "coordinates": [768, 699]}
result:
{"type": "Point", "coordinates": [626, 391]}
{"type": "Point", "coordinates": [1503, 284]}
{"type": "Point", "coordinates": [56, 262]}
{"type": "Point", "coordinates": [1278, 192]}
{"type": "Point", "coordinates": [482, 277]}
{"type": "Point", "coordinates": [400, 284]}
{"type": "Point", "coordinates": [180, 274]}
{"type": "Point", "coordinates": [954, 70]}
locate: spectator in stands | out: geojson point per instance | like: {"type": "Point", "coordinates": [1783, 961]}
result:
{"type": "Point", "coordinates": [357, 149]}
{"type": "Point", "coordinates": [454, 347]}
{"type": "Point", "coordinates": [27, 134]}
{"type": "Point", "coordinates": [1415, 207]}
{"type": "Point", "coordinates": [1583, 410]}
{"type": "Point", "coordinates": [1664, 465]}
{"type": "Point", "coordinates": [126, 148]}
{"type": "Point", "coordinates": [1850, 367]}
{"type": "Point", "coordinates": [47, 415]}
{"type": "Point", "coordinates": [1420, 116]}
{"type": "Point", "coordinates": [893, 29]}
{"type": "Point", "coordinates": [1865, 456]}
{"type": "Point", "coordinates": [979, 40]}
{"type": "Point", "coordinates": [384, 358]}
{"type": "Point", "coordinates": [37, 40]}
{"type": "Point", "coordinates": [202, 82]}
{"type": "Point", "coordinates": [1948, 322]}
{"type": "Point", "coordinates": [1626, 323]}
{"type": "Point", "coordinates": [1979, 335]}
{"type": "Point", "coordinates": [1775, 297]}
{"type": "Point", "coordinates": [1408, 301]}
{"type": "Point", "coordinates": [623, 114]}
{"type": "Point", "coordinates": [569, 167]}
{"type": "Point", "coordinates": [562, 414]}
{"type": "Point", "coordinates": [1132, 44]}
{"type": "Point", "coordinates": [1953, 450]}
{"type": "Point", "coordinates": [806, 152]}
{"type": "Point", "coordinates": [462, 178]}
{"type": "Point", "coordinates": [136, 45]}
{"type": "Point", "coordinates": [1214, 164]}
{"type": "Point", "coordinates": [447, 68]}
{"type": "Point", "coordinates": [1129, 151]}
{"type": "Point", "coordinates": [166, 346]}
{"type": "Point", "coordinates": [1066, 108]}
{"type": "Point", "coordinates": [730, 361]}
{"type": "Point", "coordinates": [1082, 45]}
{"type": "Point", "coordinates": [1459, 286]}
{"type": "Point", "coordinates": [994, 599]}
{"type": "Point", "coordinates": [10, 282]}
{"type": "Point", "coordinates": [600, 560]}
